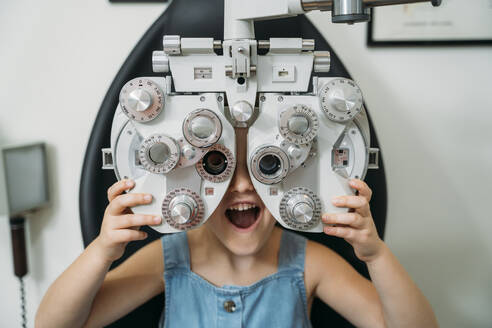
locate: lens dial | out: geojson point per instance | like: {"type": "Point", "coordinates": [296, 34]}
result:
{"type": "Point", "coordinates": [341, 99]}
{"type": "Point", "coordinates": [217, 165]}
{"type": "Point", "coordinates": [269, 164]}
{"type": "Point", "coordinates": [159, 154]}
{"type": "Point", "coordinates": [182, 209]}
{"type": "Point", "coordinates": [298, 124]}
{"type": "Point", "coordinates": [190, 155]}
{"type": "Point", "coordinates": [141, 100]}
{"type": "Point", "coordinates": [242, 111]}
{"type": "Point", "coordinates": [202, 128]}
{"type": "Point", "coordinates": [300, 208]}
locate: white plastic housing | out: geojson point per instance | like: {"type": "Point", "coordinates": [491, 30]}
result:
{"type": "Point", "coordinates": [126, 137]}
{"type": "Point", "coordinates": [316, 174]}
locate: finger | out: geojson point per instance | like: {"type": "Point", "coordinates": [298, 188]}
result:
{"type": "Point", "coordinates": [362, 188]}
{"type": "Point", "coordinates": [122, 202]}
{"type": "Point", "coordinates": [135, 220]}
{"type": "Point", "coordinates": [341, 232]}
{"type": "Point", "coordinates": [118, 188]}
{"type": "Point", "coordinates": [127, 235]}
{"type": "Point", "coordinates": [354, 220]}
{"type": "Point", "coordinates": [358, 203]}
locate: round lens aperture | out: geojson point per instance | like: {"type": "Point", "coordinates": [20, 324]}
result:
{"type": "Point", "coordinates": [159, 153]}
{"type": "Point", "coordinates": [269, 164]}
{"type": "Point", "coordinates": [214, 162]}
{"type": "Point", "coordinates": [217, 165]}
{"type": "Point", "coordinates": [202, 128]}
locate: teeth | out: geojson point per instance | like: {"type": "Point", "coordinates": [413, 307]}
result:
{"type": "Point", "coordinates": [241, 207]}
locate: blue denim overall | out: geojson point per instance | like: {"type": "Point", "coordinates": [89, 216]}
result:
{"type": "Point", "coordinates": [277, 301]}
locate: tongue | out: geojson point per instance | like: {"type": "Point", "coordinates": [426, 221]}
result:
{"type": "Point", "coordinates": [243, 219]}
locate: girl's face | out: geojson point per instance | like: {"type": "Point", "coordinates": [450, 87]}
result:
{"type": "Point", "coordinates": [241, 222]}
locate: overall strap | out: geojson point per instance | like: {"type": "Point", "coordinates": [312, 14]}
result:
{"type": "Point", "coordinates": [176, 251]}
{"type": "Point", "coordinates": [292, 251]}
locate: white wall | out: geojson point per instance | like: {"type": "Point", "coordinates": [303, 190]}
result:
{"type": "Point", "coordinates": [57, 60]}
{"type": "Point", "coordinates": [431, 108]}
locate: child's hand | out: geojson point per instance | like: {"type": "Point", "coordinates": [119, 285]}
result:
{"type": "Point", "coordinates": [120, 225]}
{"type": "Point", "coordinates": [356, 227]}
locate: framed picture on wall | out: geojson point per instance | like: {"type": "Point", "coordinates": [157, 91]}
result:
{"type": "Point", "coordinates": [136, 1]}
{"type": "Point", "coordinates": [455, 22]}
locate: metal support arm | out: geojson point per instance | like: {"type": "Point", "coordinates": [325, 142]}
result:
{"type": "Point", "coordinates": [239, 15]}
{"type": "Point", "coordinates": [327, 5]}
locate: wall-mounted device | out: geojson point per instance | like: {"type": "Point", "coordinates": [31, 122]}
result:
{"type": "Point", "coordinates": [23, 189]}
{"type": "Point", "coordinates": [25, 177]}
{"type": "Point", "coordinates": [307, 135]}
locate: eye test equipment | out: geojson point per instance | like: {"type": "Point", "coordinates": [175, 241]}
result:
{"type": "Point", "coordinates": [174, 134]}
{"type": "Point", "coordinates": [23, 190]}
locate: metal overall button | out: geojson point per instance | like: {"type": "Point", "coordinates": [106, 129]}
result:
{"type": "Point", "coordinates": [230, 306]}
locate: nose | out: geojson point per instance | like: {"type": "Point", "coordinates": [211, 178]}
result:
{"type": "Point", "coordinates": [241, 181]}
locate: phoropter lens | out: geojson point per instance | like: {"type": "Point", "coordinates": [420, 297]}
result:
{"type": "Point", "coordinates": [214, 162]}
{"type": "Point", "coordinates": [269, 164]}
{"type": "Point", "coordinates": [159, 153]}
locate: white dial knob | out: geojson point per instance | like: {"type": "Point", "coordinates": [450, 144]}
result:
{"type": "Point", "coordinates": [322, 61]}
{"type": "Point", "coordinates": [341, 99]}
{"type": "Point", "coordinates": [300, 208]}
{"type": "Point", "coordinates": [294, 151]}
{"type": "Point", "coordinates": [181, 213]}
{"type": "Point", "coordinates": [242, 111]}
{"type": "Point", "coordinates": [183, 208]}
{"type": "Point", "coordinates": [298, 124]}
{"type": "Point", "coordinates": [303, 212]}
{"type": "Point", "coordinates": [160, 62]}
{"type": "Point", "coordinates": [188, 152]}
{"type": "Point", "coordinates": [202, 127]}
{"type": "Point", "coordinates": [141, 100]}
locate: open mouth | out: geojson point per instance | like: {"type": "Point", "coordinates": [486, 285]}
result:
{"type": "Point", "coordinates": [243, 216]}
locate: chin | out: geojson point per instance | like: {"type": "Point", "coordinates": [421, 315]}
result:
{"type": "Point", "coordinates": [242, 238]}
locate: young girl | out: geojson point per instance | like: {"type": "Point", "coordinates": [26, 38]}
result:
{"type": "Point", "coordinates": [236, 270]}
